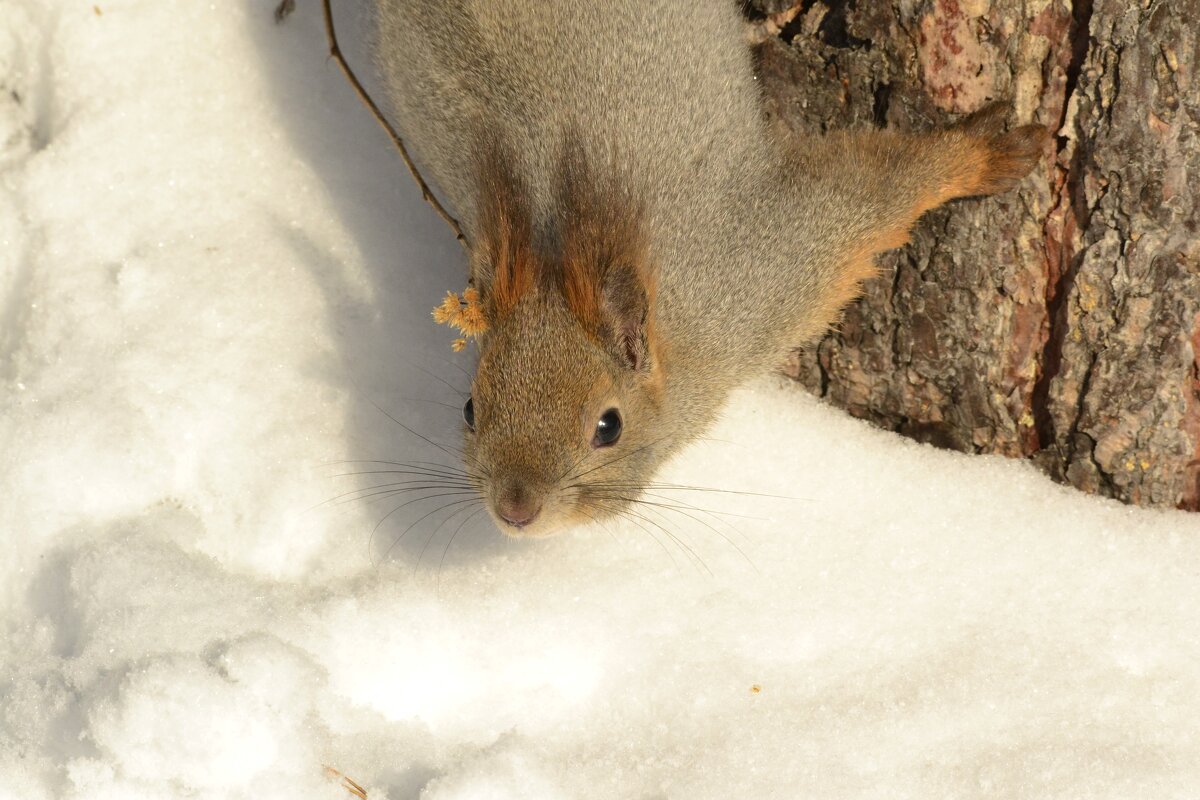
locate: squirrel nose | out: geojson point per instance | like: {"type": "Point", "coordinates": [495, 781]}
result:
{"type": "Point", "coordinates": [518, 511]}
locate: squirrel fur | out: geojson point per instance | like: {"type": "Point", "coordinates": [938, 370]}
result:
{"type": "Point", "coordinates": [641, 238]}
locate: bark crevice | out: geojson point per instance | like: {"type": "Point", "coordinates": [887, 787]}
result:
{"type": "Point", "coordinates": [1061, 322]}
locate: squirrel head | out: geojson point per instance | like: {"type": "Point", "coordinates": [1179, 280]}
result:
{"type": "Point", "coordinates": [563, 417]}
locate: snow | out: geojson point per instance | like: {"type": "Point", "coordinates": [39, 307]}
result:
{"type": "Point", "coordinates": [215, 283]}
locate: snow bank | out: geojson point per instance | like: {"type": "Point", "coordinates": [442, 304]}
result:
{"type": "Point", "coordinates": [215, 278]}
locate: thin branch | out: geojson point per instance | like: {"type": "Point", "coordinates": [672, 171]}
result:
{"type": "Point", "coordinates": [284, 8]}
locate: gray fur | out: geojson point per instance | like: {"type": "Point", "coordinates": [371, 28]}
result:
{"type": "Point", "coordinates": [750, 236]}
{"type": "Point", "coordinates": [667, 87]}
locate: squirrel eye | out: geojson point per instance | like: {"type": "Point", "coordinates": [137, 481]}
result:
{"type": "Point", "coordinates": [469, 413]}
{"type": "Point", "coordinates": [608, 429]}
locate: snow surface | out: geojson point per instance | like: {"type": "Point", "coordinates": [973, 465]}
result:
{"type": "Point", "coordinates": [214, 274]}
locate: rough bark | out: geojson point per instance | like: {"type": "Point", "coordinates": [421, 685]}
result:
{"type": "Point", "coordinates": [1059, 322]}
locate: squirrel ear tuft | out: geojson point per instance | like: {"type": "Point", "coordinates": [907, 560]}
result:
{"type": "Point", "coordinates": [503, 263]}
{"type": "Point", "coordinates": [604, 268]}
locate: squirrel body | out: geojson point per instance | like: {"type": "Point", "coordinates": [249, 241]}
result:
{"type": "Point", "coordinates": [643, 241]}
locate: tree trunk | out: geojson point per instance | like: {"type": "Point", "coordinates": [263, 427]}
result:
{"type": "Point", "coordinates": [1061, 321]}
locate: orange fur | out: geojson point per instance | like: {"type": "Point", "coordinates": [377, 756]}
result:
{"type": "Point", "coordinates": [601, 232]}
{"type": "Point", "coordinates": [581, 287]}
{"type": "Point", "coordinates": [504, 264]}
{"type": "Point", "coordinates": [966, 162]}
{"type": "Point", "coordinates": [513, 263]}
{"type": "Point", "coordinates": [975, 158]}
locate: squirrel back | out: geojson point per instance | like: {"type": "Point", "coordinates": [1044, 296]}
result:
{"type": "Point", "coordinates": [666, 89]}
{"type": "Point", "coordinates": [641, 240]}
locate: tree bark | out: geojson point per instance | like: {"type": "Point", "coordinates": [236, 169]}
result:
{"type": "Point", "coordinates": [1059, 322]}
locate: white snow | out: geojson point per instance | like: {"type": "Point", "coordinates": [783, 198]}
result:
{"type": "Point", "coordinates": [214, 274]}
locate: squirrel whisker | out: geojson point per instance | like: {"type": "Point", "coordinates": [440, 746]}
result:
{"type": "Point", "coordinates": [684, 547]}
{"type": "Point", "coordinates": [662, 508]}
{"type": "Point", "coordinates": [637, 518]}
{"type": "Point", "coordinates": [370, 493]}
{"type": "Point", "coordinates": [611, 461]}
{"type": "Point", "coordinates": [584, 510]}
{"type": "Point", "coordinates": [421, 472]}
{"type": "Point", "coordinates": [424, 517]}
{"type": "Point", "coordinates": [434, 532]}
{"type": "Point", "coordinates": [450, 541]}
{"type": "Point", "coordinates": [413, 464]}
{"type": "Point", "coordinates": [375, 530]}
{"type": "Point", "coordinates": [453, 452]}
{"type": "Point", "coordinates": [684, 488]}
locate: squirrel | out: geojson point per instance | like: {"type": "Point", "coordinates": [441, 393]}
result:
{"type": "Point", "coordinates": [641, 240]}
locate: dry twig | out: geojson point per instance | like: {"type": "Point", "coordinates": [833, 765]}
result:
{"type": "Point", "coordinates": [286, 7]}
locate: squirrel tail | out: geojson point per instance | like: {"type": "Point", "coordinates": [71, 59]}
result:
{"type": "Point", "coordinates": [886, 181]}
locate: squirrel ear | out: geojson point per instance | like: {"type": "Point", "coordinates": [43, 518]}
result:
{"type": "Point", "coordinates": [625, 315]}
{"type": "Point", "coordinates": [603, 269]}
{"type": "Point", "coordinates": [503, 265]}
